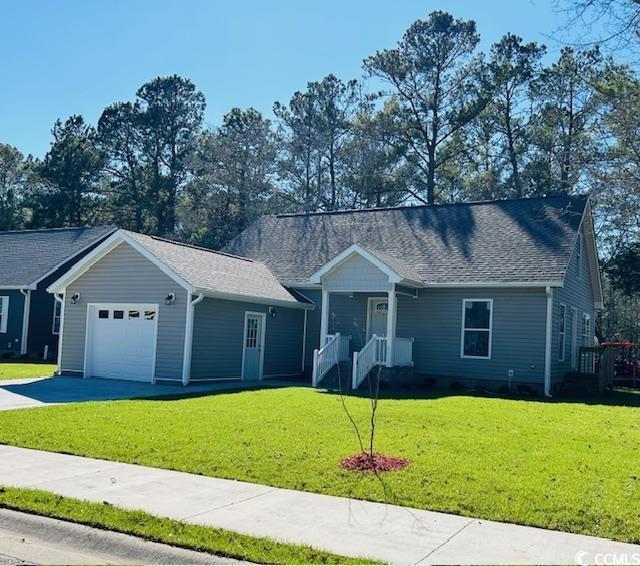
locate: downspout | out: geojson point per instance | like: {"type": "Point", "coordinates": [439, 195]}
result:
{"type": "Point", "coordinates": [25, 321]}
{"type": "Point", "coordinates": [547, 346]}
{"type": "Point", "coordinates": [188, 339]}
{"type": "Point", "coordinates": [60, 298]}
{"type": "Point", "coordinates": [304, 339]}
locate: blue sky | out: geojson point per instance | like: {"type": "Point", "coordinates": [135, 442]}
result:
{"type": "Point", "coordinates": [72, 56]}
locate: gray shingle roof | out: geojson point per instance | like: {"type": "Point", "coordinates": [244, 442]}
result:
{"type": "Point", "coordinates": [207, 270]}
{"type": "Point", "coordinates": [28, 255]}
{"type": "Point", "coordinates": [509, 241]}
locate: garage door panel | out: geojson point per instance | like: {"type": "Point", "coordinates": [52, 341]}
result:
{"type": "Point", "coordinates": [122, 341]}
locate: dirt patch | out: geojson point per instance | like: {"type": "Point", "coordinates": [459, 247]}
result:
{"type": "Point", "coordinates": [377, 462]}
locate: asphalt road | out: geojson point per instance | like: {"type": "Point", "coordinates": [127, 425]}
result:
{"type": "Point", "coordinates": [30, 539]}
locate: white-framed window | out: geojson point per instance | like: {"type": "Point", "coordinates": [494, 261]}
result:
{"type": "Point", "coordinates": [586, 330]}
{"type": "Point", "coordinates": [57, 312]}
{"type": "Point", "coordinates": [562, 333]}
{"type": "Point", "coordinates": [477, 323]}
{"type": "Point", "coordinates": [4, 313]}
{"type": "Point", "coordinates": [579, 255]}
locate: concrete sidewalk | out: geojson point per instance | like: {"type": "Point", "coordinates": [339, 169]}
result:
{"type": "Point", "coordinates": [345, 526]}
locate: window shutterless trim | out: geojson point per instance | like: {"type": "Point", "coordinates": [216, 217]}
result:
{"type": "Point", "coordinates": [586, 337]}
{"type": "Point", "coordinates": [489, 330]}
{"type": "Point", "coordinates": [4, 313]}
{"type": "Point", "coordinates": [56, 305]}
{"type": "Point", "coordinates": [562, 332]}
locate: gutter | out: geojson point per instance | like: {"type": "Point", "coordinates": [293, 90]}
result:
{"type": "Point", "coordinates": [25, 320]}
{"type": "Point", "coordinates": [188, 338]}
{"type": "Point", "coordinates": [547, 347]}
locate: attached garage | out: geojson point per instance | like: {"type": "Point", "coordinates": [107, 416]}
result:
{"type": "Point", "coordinates": [121, 341]}
{"type": "Point", "coordinates": [147, 309]}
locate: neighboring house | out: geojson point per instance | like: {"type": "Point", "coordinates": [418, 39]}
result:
{"type": "Point", "coordinates": [31, 260]}
{"type": "Point", "coordinates": [490, 294]}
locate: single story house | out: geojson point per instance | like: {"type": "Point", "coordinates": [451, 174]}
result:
{"type": "Point", "coordinates": [32, 260]}
{"type": "Point", "coordinates": [499, 293]}
{"type": "Point", "coordinates": [487, 294]}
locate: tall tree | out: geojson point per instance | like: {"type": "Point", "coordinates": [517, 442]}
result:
{"type": "Point", "coordinates": [315, 128]}
{"type": "Point", "coordinates": [172, 111]}
{"type": "Point", "coordinates": [71, 172]}
{"type": "Point", "coordinates": [233, 177]}
{"type": "Point", "coordinates": [513, 66]}
{"type": "Point", "coordinates": [439, 86]}
{"type": "Point", "coordinates": [120, 137]}
{"type": "Point", "coordinates": [568, 107]}
{"type": "Point", "coordinates": [377, 174]}
{"type": "Point", "coordinates": [13, 172]}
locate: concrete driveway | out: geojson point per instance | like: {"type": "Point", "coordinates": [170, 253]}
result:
{"type": "Point", "coordinates": [26, 393]}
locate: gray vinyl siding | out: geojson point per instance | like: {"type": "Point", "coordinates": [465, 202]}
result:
{"type": "Point", "coordinates": [349, 316]}
{"type": "Point", "coordinates": [313, 325]}
{"type": "Point", "coordinates": [577, 293]}
{"type": "Point", "coordinates": [356, 274]}
{"type": "Point", "coordinates": [126, 276]}
{"type": "Point", "coordinates": [218, 336]}
{"type": "Point", "coordinates": [11, 340]}
{"type": "Point", "coordinates": [434, 320]}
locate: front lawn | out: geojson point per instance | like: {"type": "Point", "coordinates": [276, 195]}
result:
{"type": "Point", "coordinates": [570, 466]}
{"type": "Point", "coordinates": [24, 370]}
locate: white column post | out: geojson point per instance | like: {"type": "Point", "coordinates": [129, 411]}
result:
{"type": "Point", "coordinates": [324, 318]}
{"type": "Point", "coordinates": [25, 321]}
{"type": "Point", "coordinates": [391, 324]}
{"type": "Point", "coordinates": [547, 345]}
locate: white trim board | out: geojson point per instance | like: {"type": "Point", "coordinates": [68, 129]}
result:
{"type": "Point", "coordinates": [356, 249]}
{"type": "Point", "coordinates": [101, 251]}
{"type": "Point", "coordinates": [464, 328]}
{"type": "Point", "coordinates": [69, 258]}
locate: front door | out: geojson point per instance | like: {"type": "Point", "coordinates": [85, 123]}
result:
{"type": "Point", "coordinates": [253, 354]}
{"type": "Point", "coordinates": [378, 309]}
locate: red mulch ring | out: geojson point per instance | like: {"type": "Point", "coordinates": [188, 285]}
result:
{"type": "Point", "coordinates": [363, 462]}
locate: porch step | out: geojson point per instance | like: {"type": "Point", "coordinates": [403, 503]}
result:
{"type": "Point", "coordinates": [333, 379]}
{"type": "Point", "coordinates": [390, 378]}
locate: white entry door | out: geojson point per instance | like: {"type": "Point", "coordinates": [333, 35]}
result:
{"type": "Point", "coordinates": [121, 341]}
{"type": "Point", "coordinates": [253, 349]}
{"type": "Point", "coordinates": [377, 318]}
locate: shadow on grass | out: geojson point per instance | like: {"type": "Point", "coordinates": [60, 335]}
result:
{"type": "Point", "coordinates": [619, 397]}
{"type": "Point", "coordinates": [61, 389]}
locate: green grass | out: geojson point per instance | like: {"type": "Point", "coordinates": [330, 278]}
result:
{"type": "Point", "coordinates": [196, 537]}
{"type": "Point", "coordinates": [571, 466]}
{"type": "Point", "coordinates": [20, 370]}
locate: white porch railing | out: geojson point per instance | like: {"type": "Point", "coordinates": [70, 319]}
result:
{"type": "Point", "coordinates": [365, 360]}
{"type": "Point", "coordinates": [374, 353]}
{"type": "Point", "coordinates": [344, 346]}
{"type": "Point", "coordinates": [403, 352]}
{"type": "Point", "coordinates": [335, 349]}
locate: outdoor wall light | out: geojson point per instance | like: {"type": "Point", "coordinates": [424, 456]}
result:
{"type": "Point", "coordinates": [170, 298]}
{"type": "Point", "coordinates": [75, 298]}
{"type": "Point", "coordinates": [272, 312]}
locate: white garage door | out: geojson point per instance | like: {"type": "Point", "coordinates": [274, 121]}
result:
{"type": "Point", "coordinates": [121, 341]}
